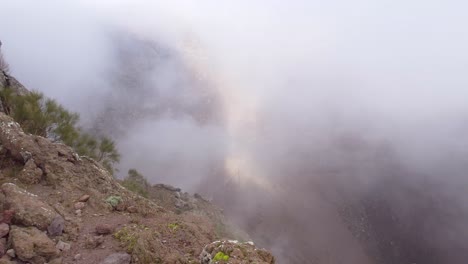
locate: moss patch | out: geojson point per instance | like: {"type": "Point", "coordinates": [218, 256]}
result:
{"type": "Point", "coordinates": [173, 226]}
{"type": "Point", "coordinates": [221, 256]}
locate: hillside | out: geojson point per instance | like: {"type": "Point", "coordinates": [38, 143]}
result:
{"type": "Point", "coordinates": [59, 207]}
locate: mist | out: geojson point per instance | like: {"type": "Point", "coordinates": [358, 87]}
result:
{"type": "Point", "coordinates": [308, 122]}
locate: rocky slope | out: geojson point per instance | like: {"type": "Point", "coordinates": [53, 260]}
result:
{"type": "Point", "coordinates": [58, 207]}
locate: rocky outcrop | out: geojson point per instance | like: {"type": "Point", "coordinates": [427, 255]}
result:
{"type": "Point", "coordinates": [9, 82]}
{"type": "Point", "coordinates": [30, 174]}
{"type": "Point", "coordinates": [233, 252]}
{"type": "Point", "coordinates": [32, 245]}
{"type": "Point", "coordinates": [29, 210]}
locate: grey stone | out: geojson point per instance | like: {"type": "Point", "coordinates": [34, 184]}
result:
{"type": "Point", "coordinates": [117, 258]}
{"type": "Point", "coordinates": [11, 253]}
{"type": "Point", "coordinates": [56, 227]}
{"type": "Point", "coordinates": [62, 246]}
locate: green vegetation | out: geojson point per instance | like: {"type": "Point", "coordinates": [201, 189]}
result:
{"type": "Point", "coordinates": [137, 240]}
{"type": "Point", "coordinates": [173, 226]}
{"type": "Point", "coordinates": [128, 237]}
{"type": "Point", "coordinates": [221, 256]}
{"type": "Point", "coordinates": [44, 117]}
{"type": "Point", "coordinates": [114, 200]}
{"type": "Point", "coordinates": [136, 183]}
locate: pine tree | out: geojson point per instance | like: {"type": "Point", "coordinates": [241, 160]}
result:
{"type": "Point", "coordinates": [45, 117]}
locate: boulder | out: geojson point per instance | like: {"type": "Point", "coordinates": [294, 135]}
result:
{"type": "Point", "coordinates": [29, 210]}
{"type": "Point", "coordinates": [117, 258]}
{"type": "Point", "coordinates": [32, 245]}
{"type": "Point", "coordinates": [30, 174]}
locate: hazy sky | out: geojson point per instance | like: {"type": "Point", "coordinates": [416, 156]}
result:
{"type": "Point", "coordinates": [393, 67]}
{"type": "Point", "coordinates": [393, 56]}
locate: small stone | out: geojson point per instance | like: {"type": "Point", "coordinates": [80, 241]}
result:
{"type": "Point", "coordinates": [132, 209]}
{"type": "Point", "coordinates": [4, 229]}
{"type": "Point", "coordinates": [11, 253]}
{"type": "Point", "coordinates": [56, 227]}
{"type": "Point", "coordinates": [92, 242]}
{"type": "Point", "coordinates": [117, 258]}
{"type": "Point", "coordinates": [79, 205]}
{"type": "Point", "coordinates": [78, 212]}
{"type": "Point", "coordinates": [77, 257]}
{"type": "Point", "coordinates": [104, 229]}
{"type": "Point", "coordinates": [62, 246]}
{"type": "Point", "coordinates": [84, 198]}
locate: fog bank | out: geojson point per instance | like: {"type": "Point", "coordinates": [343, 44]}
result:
{"type": "Point", "coordinates": [298, 117]}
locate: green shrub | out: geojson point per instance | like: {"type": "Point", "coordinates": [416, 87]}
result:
{"type": "Point", "coordinates": [44, 117]}
{"type": "Point", "coordinates": [114, 200]}
{"type": "Point", "coordinates": [136, 183]}
{"type": "Point", "coordinates": [128, 237]}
